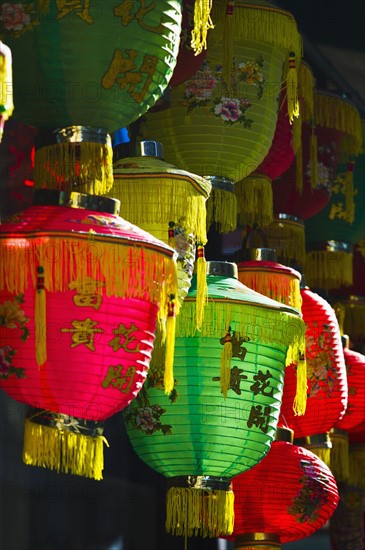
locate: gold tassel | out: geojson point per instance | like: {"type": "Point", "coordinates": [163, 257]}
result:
{"type": "Point", "coordinates": [202, 23]}
{"type": "Point", "coordinates": [170, 346]}
{"type": "Point", "coordinates": [298, 152]}
{"type": "Point", "coordinates": [288, 238]}
{"type": "Point", "coordinates": [340, 312]}
{"type": "Point", "coordinates": [281, 287]}
{"type": "Point", "coordinates": [340, 455]}
{"type": "Point", "coordinates": [84, 167]}
{"type": "Point", "coordinates": [292, 89]}
{"type": "Point", "coordinates": [222, 210]}
{"type": "Point", "coordinates": [202, 287]}
{"type": "Point", "coordinates": [323, 453]}
{"type": "Point", "coordinates": [329, 269]}
{"type": "Point", "coordinates": [63, 451]}
{"type": "Point", "coordinates": [226, 357]}
{"type": "Point", "coordinates": [199, 512]}
{"type": "Point", "coordinates": [306, 84]}
{"type": "Point", "coordinates": [313, 159]}
{"type": "Point", "coordinates": [300, 400]}
{"type": "Point", "coordinates": [254, 200]}
{"type": "Point", "coordinates": [40, 320]}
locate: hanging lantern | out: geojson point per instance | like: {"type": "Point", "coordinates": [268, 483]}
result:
{"type": "Point", "coordinates": [78, 278]}
{"type": "Point", "coordinates": [342, 220]}
{"type": "Point", "coordinates": [346, 525]}
{"type": "Point", "coordinates": [6, 86]}
{"type": "Point", "coordinates": [221, 121]}
{"type": "Point", "coordinates": [222, 205]}
{"type": "Point", "coordinates": [65, 78]}
{"type": "Point", "coordinates": [221, 417]}
{"type": "Point", "coordinates": [276, 504]}
{"type": "Point", "coordinates": [167, 202]}
{"type": "Point", "coordinates": [326, 378]}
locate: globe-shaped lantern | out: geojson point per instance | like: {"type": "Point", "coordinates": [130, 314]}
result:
{"type": "Point", "coordinates": [81, 290]}
{"type": "Point", "coordinates": [221, 417]}
{"type": "Point", "coordinates": [221, 121]}
{"type": "Point", "coordinates": [293, 502]}
{"type": "Point", "coordinates": [6, 86]}
{"type": "Point", "coordinates": [82, 89]}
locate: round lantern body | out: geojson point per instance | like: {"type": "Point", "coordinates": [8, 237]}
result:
{"type": "Point", "coordinates": [222, 414]}
{"type": "Point", "coordinates": [293, 502]}
{"type": "Point", "coordinates": [85, 282]}
{"type": "Point", "coordinates": [164, 201]}
{"type": "Point", "coordinates": [326, 372]}
{"type": "Point", "coordinates": [355, 412]}
{"type": "Point", "coordinates": [222, 120]}
{"type": "Point", "coordinates": [6, 86]}
{"type": "Point", "coordinates": [69, 78]}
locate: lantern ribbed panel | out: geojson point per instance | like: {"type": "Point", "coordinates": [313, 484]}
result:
{"type": "Point", "coordinates": [94, 65]}
{"type": "Point", "coordinates": [290, 493]}
{"type": "Point", "coordinates": [355, 413]}
{"type": "Point", "coordinates": [326, 372]}
{"type": "Point", "coordinates": [226, 130]}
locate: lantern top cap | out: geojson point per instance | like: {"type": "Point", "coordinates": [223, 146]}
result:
{"type": "Point", "coordinates": [330, 246]}
{"type": "Point", "coordinates": [73, 134]}
{"type": "Point", "coordinates": [220, 182]}
{"type": "Point", "coordinates": [284, 434]}
{"type": "Point", "coordinates": [145, 148]}
{"type": "Point", "coordinates": [289, 218]}
{"type": "Point", "coordinates": [72, 199]}
{"type": "Point", "coordinates": [259, 254]}
{"type": "Point", "coordinates": [222, 269]}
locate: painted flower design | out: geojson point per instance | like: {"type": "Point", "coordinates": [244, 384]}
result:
{"type": "Point", "coordinates": [202, 85]}
{"type": "Point", "coordinates": [251, 70]}
{"type": "Point", "coordinates": [16, 18]}
{"type": "Point", "coordinates": [6, 364]}
{"type": "Point", "coordinates": [321, 361]}
{"type": "Point", "coordinates": [11, 316]}
{"type": "Point", "coordinates": [228, 109]}
{"type": "Point", "coordinates": [311, 495]}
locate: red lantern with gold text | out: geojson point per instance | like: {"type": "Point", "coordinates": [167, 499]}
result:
{"type": "Point", "coordinates": [80, 292]}
{"type": "Point", "coordinates": [327, 392]}
{"type": "Point", "coordinates": [276, 504]}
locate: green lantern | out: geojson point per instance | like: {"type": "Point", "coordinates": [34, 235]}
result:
{"type": "Point", "coordinates": [87, 64]}
{"type": "Point", "coordinates": [221, 416]}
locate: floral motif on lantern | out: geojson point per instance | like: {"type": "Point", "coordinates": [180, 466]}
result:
{"type": "Point", "coordinates": [206, 87]}
{"type": "Point", "coordinates": [321, 362]}
{"type": "Point", "coordinates": [12, 317]}
{"type": "Point", "coordinates": [18, 18]}
{"type": "Point", "coordinates": [311, 496]}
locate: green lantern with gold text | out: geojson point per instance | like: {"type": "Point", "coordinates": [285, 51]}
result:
{"type": "Point", "coordinates": [221, 416]}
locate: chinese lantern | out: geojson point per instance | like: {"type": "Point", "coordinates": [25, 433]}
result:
{"type": "Point", "coordinates": [64, 78]}
{"type": "Point", "coordinates": [346, 525]}
{"type": "Point", "coordinates": [222, 120]}
{"type": "Point", "coordinates": [80, 292]}
{"type": "Point", "coordinates": [275, 504]}
{"type": "Point", "coordinates": [326, 378]}
{"type": "Point", "coordinates": [342, 220]}
{"type": "Point", "coordinates": [221, 416]}
{"type": "Point", "coordinates": [6, 86]}
{"type": "Point", "coordinates": [164, 201]}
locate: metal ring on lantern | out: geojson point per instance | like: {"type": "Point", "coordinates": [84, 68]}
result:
{"type": "Point", "coordinates": [222, 269]}
{"type": "Point", "coordinates": [331, 246]}
{"type": "Point", "coordinates": [146, 148]}
{"type": "Point", "coordinates": [72, 199]}
{"type": "Point", "coordinates": [219, 182]}
{"type": "Point", "coordinates": [263, 539]}
{"type": "Point", "coordinates": [322, 441]}
{"type": "Point", "coordinates": [201, 482]}
{"type": "Point", "coordinates": [284, 434]}
{"type": "Point", "coordinates": [73, 134]}
{"type": "Point", "coordinates": [259, 254]}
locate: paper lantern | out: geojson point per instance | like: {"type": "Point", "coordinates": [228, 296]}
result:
{"type": "Point", "coordinates": [6, 86]}
{"type": "Point", "coordinates": [327, 391]}
{"type": "Point", "coordinates": [167, 202]}
{"type": "Point", "coordinates": [81, 290]}
{"type": "Point", "coordinates": [221, 121]}
{"type": "Point", "coordinates": [221, 417]}
{"type": "Point", "coordinates": [346, 528]}
{"type": "Point", "coordinates": [64, 77]}
{"type": "Point", "coordinates": [275, 504]}
{"type": "Point", "coordinates": [222, 205]}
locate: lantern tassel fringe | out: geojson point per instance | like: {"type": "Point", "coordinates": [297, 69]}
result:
{"type": "Point", "coordinates": [292, 239]}
{"type": "Point", "coordinates": [300, 400]}
{"type": "Point", "coordinates": [254, 201]}
{"type": "Point", "coordinates": [202, 287]}
{"type": "Point", "coordinates": [323, 454]}
{"type": "Point", "coordinates": [63, 451]}
{"type": "Point", "coordinates": [84, 167]}
{"type": "Point", "coordinates": [329, 269]}
{"type": "Point", "coordinates": [357, 465]}
{"type": "Point", "coordinates": [340, 456]}
{"type": "Point", "coordinates": [280, 288]}
{"type": "Point", "coordinates": [202, 24]}
{"type": "Point", "coordinates": [196, 512]}
{"type": "Point", "coordinates": [298, 152]}
{"type": "Point", "coordinates": [222, 210]}
{"type": "Point", "coordinates": [306, 85]}
{"type": "Point", "coordinates": [40, 320]}
{"type": "Point", "coordinates": [170, 347]}
{"type": "Point", "coordinates": [292, 89]}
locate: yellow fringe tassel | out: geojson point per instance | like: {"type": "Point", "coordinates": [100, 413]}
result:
{"type": "Point", "coordinates": [313, 159]}
{"type": "Point", "coordinates": [202, 287]}
{"type": "Point", "coordinates": [202, 23]}
{"type": "Point", "coordinates": [288, 239]}
{"type": "Point", "coordinates": [126, 271]}
{"type": "Point", "coordinates": [40, 320]}
{"type": "Point", "coordinates": [354, 323]}
{"type": "Point", "coordinates": [254, 200]}
{"type": "Point", "coordinates": [222, 210]}
{"type": "Point", "coordinates": [328, 269]}
{"type": "Point", "coordinates": [340, 455]}
{"type": "Point", "coordinates": [226, 357]}
{"type": "Point", "coordinates": [292, 89]}
{"type": "Point", "coordinates": [335, 112]}
{"type": "Point", "coordinates": [306, 84]}
{"type": "Point", "coordinates": [300, 400]}
{"type": "Point", "coordinates": [340, 311]}
{"type": "Point", "coordinates": [63, 451]}
{"type": "Point", "coordinates": [298, 152]}
{"type": "Point", "coordinates": [283, 288]}
{"type": "Point", "coordinates": [84, 167]}
{"type": "Point", "coordinates": [357, 465]}
{"type": "Point", "coordinates": [323, 453]}
{"type": "Point", "coordinates": [170, 347]}
{"type": "Point", "coordinates": [199, 512]}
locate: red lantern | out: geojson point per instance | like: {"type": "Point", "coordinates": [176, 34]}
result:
{"type": "Point", "coordinates": [276, 504]}
{"type": "Point", "coordinates": [326, 375]}
{"type": "Point", "coordinates": [355, 412]}
{"type": "Point", "coordinates": [80, 292]}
